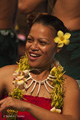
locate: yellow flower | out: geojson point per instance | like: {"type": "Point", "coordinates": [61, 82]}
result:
{"type": "Point", "coordinates": [62, 39]}
{"type": "Point", "coordinates": [18, 94]}
{"type": "Point", "coordinates": [53, 70]}
{"type": "Point", "coordinates": [23, 63]}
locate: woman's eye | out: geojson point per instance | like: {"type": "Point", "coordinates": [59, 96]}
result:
{"type": "Point", "coordinates": [43, 43]}
{"type": "Point", "coordinates": [29, 40]}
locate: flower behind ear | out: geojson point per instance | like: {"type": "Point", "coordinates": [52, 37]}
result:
{"type": "Point", "coordinates": [62, 39]}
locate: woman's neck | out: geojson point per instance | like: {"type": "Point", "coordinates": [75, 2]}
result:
{"type": "Point", "coordinates": [40, 74]}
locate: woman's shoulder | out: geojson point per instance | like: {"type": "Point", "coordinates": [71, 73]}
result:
{"type": "Point", "coordinates": [6, 77]}
{"type": "Point", "coordinates": [70, 83]}
{"type": "Point", "coordinates": [7, 71]}
{"type": "Point", "coordinates": [8, 68]}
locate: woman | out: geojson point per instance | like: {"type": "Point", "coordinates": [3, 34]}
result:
{"type": "Point", "coordinates": [41, 78]}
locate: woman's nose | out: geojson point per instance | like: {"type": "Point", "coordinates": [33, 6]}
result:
{"type": "Point", "coordinates": [34, 46]}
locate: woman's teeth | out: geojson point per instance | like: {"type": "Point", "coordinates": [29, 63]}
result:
{"type": "Point", "coordinates": [34, 55]}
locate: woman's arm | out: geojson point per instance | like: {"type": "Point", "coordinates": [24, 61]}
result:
{"type": "Point", "coordinates": [70, 109]}
{"type": "Point", "coordinates": [6, 78]}
{"type": "Point", "coordinates": [27, 6]}
{"type": "Point", "coordinates": [2, 86]}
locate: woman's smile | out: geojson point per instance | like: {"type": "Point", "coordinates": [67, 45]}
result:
{"type": "Point", "coordinates": [33, 56]}
{"type": "Point", "coordinates": [40, 47]}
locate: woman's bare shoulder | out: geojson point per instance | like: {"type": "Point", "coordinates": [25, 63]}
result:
{"type": "Point", "coordinates": [6, 77]}
{"type": "Point", "coordinates": [72, 96]}
{"type": "Point", "coordinates": [70, 83]}
{"type": "Point", "coordinates": [7, 70]}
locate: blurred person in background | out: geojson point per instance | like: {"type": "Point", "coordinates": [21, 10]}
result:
{"type": "Point", "coordinates": [8, 39]}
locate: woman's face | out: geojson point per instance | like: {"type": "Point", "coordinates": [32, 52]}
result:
{"type": "Point", "coordinates": [40, 46]}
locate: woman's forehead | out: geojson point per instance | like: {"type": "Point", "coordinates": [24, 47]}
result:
{"type": "Point", "coordinates": [45, 29]}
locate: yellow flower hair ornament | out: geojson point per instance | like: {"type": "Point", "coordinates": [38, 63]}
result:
{"type": "Point", "coordinates": [62, 39]}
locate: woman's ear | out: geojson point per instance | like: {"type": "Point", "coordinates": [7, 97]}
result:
{"type": "Point", "coordinates": [58, 50]}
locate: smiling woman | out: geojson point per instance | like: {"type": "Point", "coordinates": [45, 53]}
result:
{"type": "Point", "coordinates": [38, 79]}
{"type": "Point", "coordinates": [40, 46]}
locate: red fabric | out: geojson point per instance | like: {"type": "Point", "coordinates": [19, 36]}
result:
{"type": "Point", "coordinates": [39, 101]}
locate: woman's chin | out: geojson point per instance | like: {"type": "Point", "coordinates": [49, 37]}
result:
{"type": "Point", "coordinates": [36, 66]}
{"type": "Point", "coordinates": [33, 65]}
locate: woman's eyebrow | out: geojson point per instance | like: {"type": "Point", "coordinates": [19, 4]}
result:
{"type": "Point", "coordinates": [39, 38]}
{"type": "Point", "coordinates": [44, 39]}
{"type": "Point", "coordinates": [30, 36]}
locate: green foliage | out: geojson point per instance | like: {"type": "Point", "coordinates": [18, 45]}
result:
{"type": "Point", "coordinates": [58, 92]}
{"type": "Point", "coordinates": [23, 63]}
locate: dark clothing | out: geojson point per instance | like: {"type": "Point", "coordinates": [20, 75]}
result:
{"type": "Point", "coordinates": [69, 56]}
{"type": "Point", "coordinates": [8, 47]}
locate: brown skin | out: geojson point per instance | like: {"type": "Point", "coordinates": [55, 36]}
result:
{"type": "Point", "coordinates": [8, 12]}
{"type": "Point", "coordinates": [69, 12]}
{"type": "Point", "coordinates": [71, 99]}
{"type": "Point", "coordinates": [27, 6]}
{"type": "Point", "coordinates": [45, 45]}
{"type": "Point", "coordinates": [66, 10]}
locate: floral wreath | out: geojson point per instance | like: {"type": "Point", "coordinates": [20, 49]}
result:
{"type": "Point", "coordinates": [58, 92]}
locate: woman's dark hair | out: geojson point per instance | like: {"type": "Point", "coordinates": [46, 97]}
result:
{"type": "Point", "coordinates": [50, 20]}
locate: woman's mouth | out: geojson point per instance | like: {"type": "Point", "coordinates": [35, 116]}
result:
{"type": "Point", "coordinates": [33, 56]}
